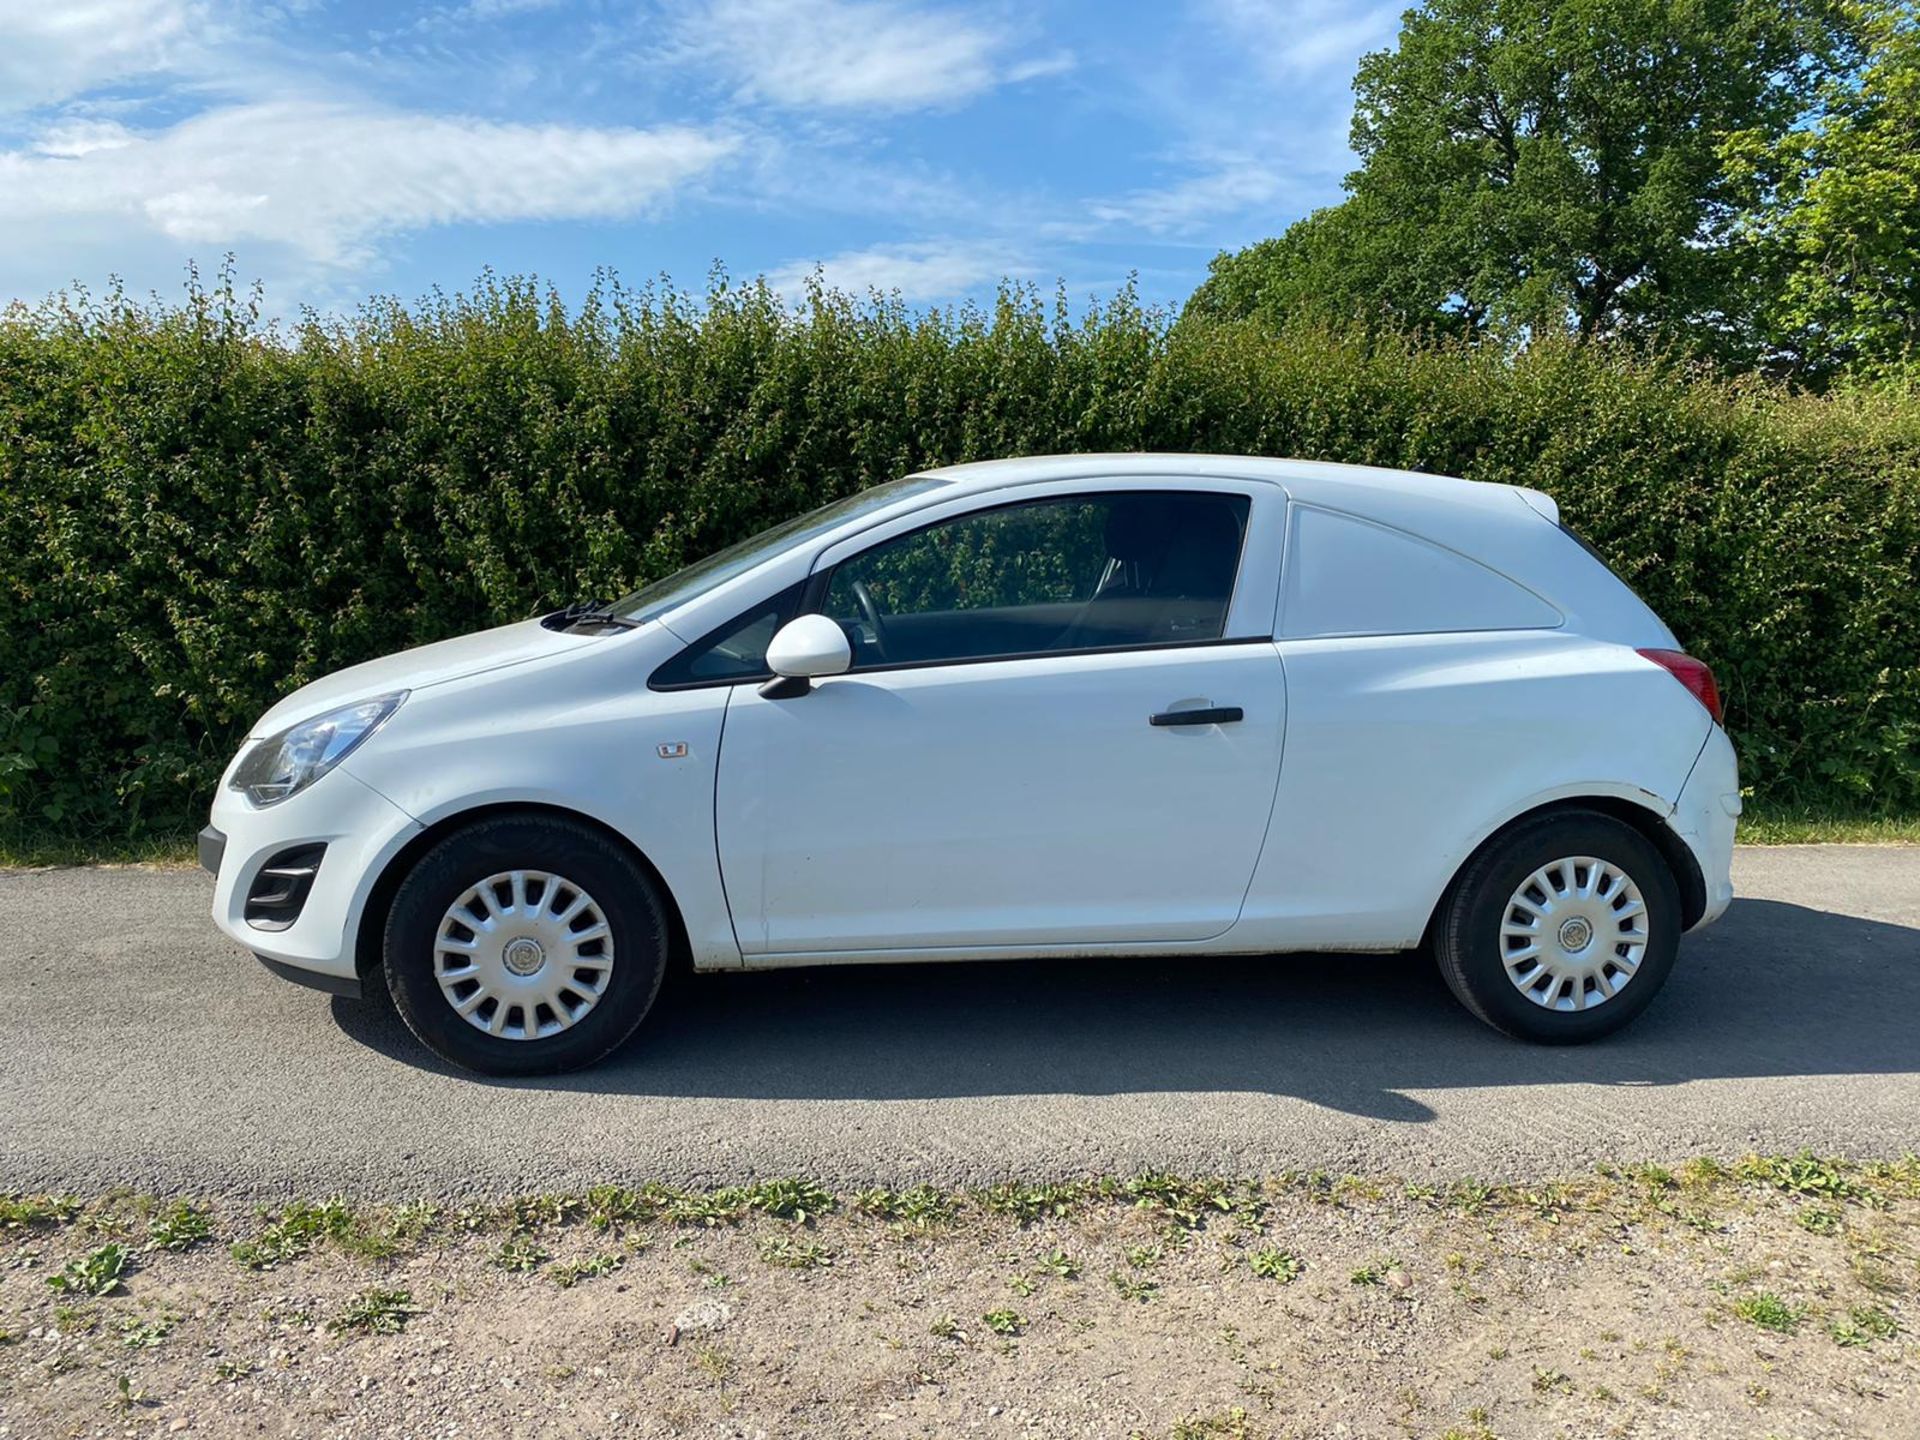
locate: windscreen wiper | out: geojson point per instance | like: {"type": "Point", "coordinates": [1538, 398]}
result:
{"type": "Point", "coordinates": [589, 614]}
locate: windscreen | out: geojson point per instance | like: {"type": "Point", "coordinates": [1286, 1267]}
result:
{"type": "Point", "coordinates": [703, 575]}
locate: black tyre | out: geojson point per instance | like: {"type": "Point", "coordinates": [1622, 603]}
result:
{"type": "Point", "coordinates": [1561, 929]}
{"type": "Point", "coordinates": [525, 945]}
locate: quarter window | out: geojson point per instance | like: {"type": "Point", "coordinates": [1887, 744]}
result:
{"type": "Point", "coordinates": [1348, 576]}
{"type": "Point", "coordinates": [735, 652]}
{"type": "Point", "coordinates": [1082, 572]}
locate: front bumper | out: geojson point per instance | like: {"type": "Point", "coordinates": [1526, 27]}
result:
{"type": "Point", "coordinates": [362, 831]}
{"type": "Point", "coordinates": [1705, 818]}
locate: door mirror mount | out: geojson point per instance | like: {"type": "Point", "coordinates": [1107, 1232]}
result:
{"type": "Point", "coordinates": [807, 647]}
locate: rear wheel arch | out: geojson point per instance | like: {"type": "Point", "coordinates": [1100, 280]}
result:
{"type": "Point", "coordinates": [369, 939]}
{"type": "Point", "coordinates": [1650, 822]}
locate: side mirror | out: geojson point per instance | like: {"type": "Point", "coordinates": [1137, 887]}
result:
{"type": "Point", "coordinates": [806, 647]}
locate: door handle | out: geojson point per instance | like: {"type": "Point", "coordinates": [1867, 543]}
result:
{"type": "Point", "coordinates": [1218, 715]}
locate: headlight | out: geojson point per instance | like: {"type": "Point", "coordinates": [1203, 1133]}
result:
{"type": "Point", "coordinates": [285, 764]}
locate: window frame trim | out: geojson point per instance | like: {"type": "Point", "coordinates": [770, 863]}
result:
{"type": "Point", "coordinates": [1267, 522]}
{"type": "Point", "coordinates": [820, 581]}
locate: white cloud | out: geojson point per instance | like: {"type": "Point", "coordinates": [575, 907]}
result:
{"type": "Point", "coordinates": [1229, 189]}
{"type": "Point", "coordinates": [1308, 37]}
{"type": "Point", "coordinates": [53, 49]}
{"type": "Point", "coordinates": [934, 270]}
{"type": "Point", "coordinates": [319, 182]}
{"type": "Point", "coordinates": [877, 54]}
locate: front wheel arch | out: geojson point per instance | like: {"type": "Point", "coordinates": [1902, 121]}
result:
{"type": "Point", "coordinates": [369, 938]}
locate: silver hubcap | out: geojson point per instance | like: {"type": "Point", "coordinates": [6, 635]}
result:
{"type": "Point", "coordinates": [523, 955]}
{"type": "Point", "coordinates": [1574, 933]}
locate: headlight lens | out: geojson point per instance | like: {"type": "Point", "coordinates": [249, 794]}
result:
{"type": "Point", "coordinates": [285, 764]}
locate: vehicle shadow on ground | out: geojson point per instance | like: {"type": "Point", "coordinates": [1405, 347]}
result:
{"type": "Point", "coordinates": [1772, 990]}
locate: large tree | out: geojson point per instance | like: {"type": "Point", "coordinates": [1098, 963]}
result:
{"type": "Point", "coordinates": [1547, 163]}
{"type": "Point", "coordinates": [1832, 226]}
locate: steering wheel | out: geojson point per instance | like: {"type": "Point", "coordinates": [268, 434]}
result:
{"type": "Point", "coordinates": [870, 612]}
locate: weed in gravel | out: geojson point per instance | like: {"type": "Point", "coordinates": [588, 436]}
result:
{"type": "Point", "coordinates": [299, 1226]}
{"type": "Point", "coordinates": [791, 1254]}
{"type": "Point", "coordinates": [1226, 1425]}
{"type": "Point", "coordinates": [1003, 1322]}
{"type": "Point", "coordinates": [1271, 1263]}
{"type": "Point", "coordinates": [1870, 1274]}
{"type": "Point", "coordinates": [98, 1272]}
{"type": "Point", "coordinates": [611, 1205]}
{"type": "Point", "coordinates": [1022, 1285]}
{"type": "Point", "coordinates": [1864, 1325]}
{"type": "Point", "coordinates": [1374, 1272]}
{"type": "Point", "coordinates": [126, 1395]}
{"type": "Point", "coordinates": [75, 1320]}
{"type": "Point", "coordinates": [717, 1363]}
{"type": "Point", "coordinates": [410, 1223]}
{"type": "Point", "coordinates": [138, 1334]}
{"type": "Point", "coordinates": [1061, 1264]}
{"type": "Point", "coordinates": [521, 1254]}
{"type": "Point", "coordinates": [1769, 1312]}
{"type": "Point", "coordinates": [1703, 1172]}
{"type": "Point", "coordinates": [1187, 1202]}
{"type": "Point", "coordinates": [1028, 1203]}
{"type": "Point", "coordinates": [1133, 1287]}
{"type": "Point", "coordinates": [1817, 1220]}
{"type": "Point", "coordinates": [797, 1200]}
{"type": "Point", "coordinates": [180, 1226]}
{"type": "Point", "coordinates": [529, 1212]}
{"type": "Point", "coordinates": [375, 1312]}
{"type": "Point", "coordinates": [708, 1210]}
{"type": "Point", "coordinates": [920, 1208]}
{"type": "Point", "coordinates": [1470, 1197]}
{"type": "Point", "coordinates": [1144, 1257]}
{"type": "Point", "coordinates": [569, 1273]}
{"type": "Point", "coordinates": [18, 1212]}
{"type": "Point", "coordinates": [232, 1372]}
{"type": "Point", "coordinates": [1803, 1174]}
{"type": "Point", "coordinates": [1547, 1380]}
{"type": "Point", "coordinates": [947, 1328]}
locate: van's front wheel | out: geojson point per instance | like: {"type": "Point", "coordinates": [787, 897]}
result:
{"type": "Point", "coordinates": [1562, 929]}
{"type": "Point", "coordinates": [525, 945]}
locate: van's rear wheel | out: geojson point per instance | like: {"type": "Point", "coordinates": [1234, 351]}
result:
{"type": "Point", "coordinates": [1562, 929]}
{"type": "Point", "coordinates": [525, 945]}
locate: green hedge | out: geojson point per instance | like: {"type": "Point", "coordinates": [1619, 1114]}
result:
{"type": "Point", "coordinates": [199, 512]}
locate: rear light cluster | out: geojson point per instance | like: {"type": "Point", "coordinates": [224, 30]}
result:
{"type": "Point", "coordinates": [1691, 673]}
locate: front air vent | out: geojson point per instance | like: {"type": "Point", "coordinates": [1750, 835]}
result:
{"type": "Point", "coordinates": [282, 886]}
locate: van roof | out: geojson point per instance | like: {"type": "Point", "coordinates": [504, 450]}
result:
{"type": "Point", "coordinates": [1308, 479]}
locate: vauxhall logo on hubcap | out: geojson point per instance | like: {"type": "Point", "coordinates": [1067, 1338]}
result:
{"type": "Point", "coordinates": [1575, 934]}
{"type": "Point", "coordinates": [523, 956]}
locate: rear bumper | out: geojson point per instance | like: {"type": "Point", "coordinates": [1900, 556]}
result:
{"type": "Point", "coordinates": [1705, 819]}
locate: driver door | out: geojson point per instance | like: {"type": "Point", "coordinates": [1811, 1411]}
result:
{"type": "Point", "coordinates": [1017, 758]}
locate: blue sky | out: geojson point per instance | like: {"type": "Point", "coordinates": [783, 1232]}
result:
{"type": "Point", "coordinates": [926, 146]}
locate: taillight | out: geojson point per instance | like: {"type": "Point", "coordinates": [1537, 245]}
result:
{"type": "Point", "coordinates": [1691, 673]}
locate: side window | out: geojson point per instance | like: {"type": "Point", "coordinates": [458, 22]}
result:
{"type": "Point", "coordinates": [1347, 576]}
{"type": "Point", "coordinates": [734, 652]}
{"type": "Point", "coordinates": [1078, 572]}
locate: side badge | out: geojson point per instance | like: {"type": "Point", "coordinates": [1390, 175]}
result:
{"type": "Point", "coordinates": [676, 751]}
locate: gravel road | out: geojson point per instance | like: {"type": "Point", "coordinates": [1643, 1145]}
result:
{"type": "Point", "coordinates": [139, 1047]}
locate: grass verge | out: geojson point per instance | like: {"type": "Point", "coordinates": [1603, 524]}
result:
{"type": "Point", "coordinates": [1694, 1299]}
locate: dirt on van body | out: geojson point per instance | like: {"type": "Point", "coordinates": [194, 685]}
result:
{"type": "Point", "coordinates": [1765, 1298]}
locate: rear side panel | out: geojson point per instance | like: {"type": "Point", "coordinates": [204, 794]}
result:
{"type": "Point", "coordinates": [1405, 752]}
